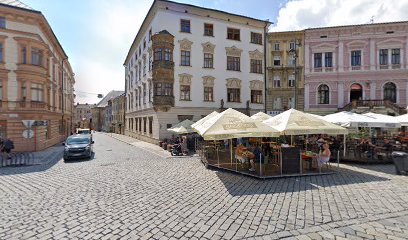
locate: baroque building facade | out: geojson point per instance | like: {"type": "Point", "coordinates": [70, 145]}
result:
{"type": "Point", "coordinates": [36, 80]}
{"type": "Point", "coordinates": [284, 48]}
{"type": "Point", "coordinates": [118, 114]}
{"type": "Point", "coordinates": [359, 66]}
{"type": "Point", "coordinates": [187, 61]}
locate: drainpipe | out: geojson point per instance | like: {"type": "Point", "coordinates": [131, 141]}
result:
{"type": "Point", "coordinates": [265, 53]}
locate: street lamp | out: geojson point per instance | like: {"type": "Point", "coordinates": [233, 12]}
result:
{"type": "Point", "coordinates": [293, 52]}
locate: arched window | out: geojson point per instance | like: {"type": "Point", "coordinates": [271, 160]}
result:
{"type": "Point", "coordinates": [323, 94]}
{"type": "Point", "coordinates": [390, 92]}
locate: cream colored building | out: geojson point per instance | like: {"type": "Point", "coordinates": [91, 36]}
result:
{"type": "Point", "coordinates": [36, 80]}
{"type": "Point", "coordinates": [82, 115]}
{"type": "Point", "coordinates": [281, 71]}
{"type": "Point", "coordinates": [118, 114]}
{"type": "Point", "coordinates": [187, 61]}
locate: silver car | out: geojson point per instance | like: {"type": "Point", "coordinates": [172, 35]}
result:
{"type": "Point", "coordinates": [78, 146]}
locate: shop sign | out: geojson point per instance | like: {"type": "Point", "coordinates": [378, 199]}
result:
{"type": "Point", "coordinates": [38, 123]}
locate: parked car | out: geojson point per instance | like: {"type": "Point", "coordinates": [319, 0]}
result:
{"type": "Point", "coordinates": [78, 146]}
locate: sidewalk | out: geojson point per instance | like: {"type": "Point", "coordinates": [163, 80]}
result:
{"type": "Point", "coordinates": [155, 149]}
{"type": "Point", "coordinates": [33, 158]}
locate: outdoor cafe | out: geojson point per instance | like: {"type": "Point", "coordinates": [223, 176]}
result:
{"type": "Point", "coordinates": [263, 146]}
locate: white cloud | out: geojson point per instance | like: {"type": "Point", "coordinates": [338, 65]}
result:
{"type": "Point", "coordinates": [302, 14]}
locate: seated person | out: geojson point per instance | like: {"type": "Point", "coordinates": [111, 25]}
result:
{"type": "Point", "coordinates": [324, 155]}
{"type": "Point", "coordinates": [239, 153]}
{"type": "Point", "coordinates": [258, 157]}
{"type": "Point", "coordinates": [387, 145]}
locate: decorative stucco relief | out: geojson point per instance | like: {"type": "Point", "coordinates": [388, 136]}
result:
{"type": "Point", "coordinates": [208, 81]}
{"type": "Point", "coordinates": [257, 55]}
{"type": "Point", "coordinates": [185, 79]}
{"type": "Point", "coordinates": [185, 44]}
{"type": "Point", "coordinates": [256, 85]}
{"type": "Point", "coordinates": [233, 83]}
{"type": "Point", "coordinates": [233, 51]}
{"type": "Point", "coordinates": [208, 47]}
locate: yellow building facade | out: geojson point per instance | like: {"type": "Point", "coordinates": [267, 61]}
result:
{"type": "Point", "coordinates": [283, 83]}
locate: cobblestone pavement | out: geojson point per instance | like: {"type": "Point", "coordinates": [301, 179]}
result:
{"type": "Point", "coordinates": [127, 192]}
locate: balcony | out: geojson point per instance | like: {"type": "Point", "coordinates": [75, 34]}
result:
{"type": "Point", "coordinates": [354, 68]}
{"type": "Point", "coordinates": [163, 64]}
{"type": "Point", "coordinates": [396, 66]}
{"type": "Point", "coordinates": [318, 69]}
{"type": "Point", "coordinates": [27, 106]}
{"type": "Point", "coordinates": [371, 104]}
{"type": "Point", "coordinates": [163, 101]}
{"type": "Point", "coordinates": [32, 69]}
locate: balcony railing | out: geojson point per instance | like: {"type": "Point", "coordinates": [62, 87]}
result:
{"type": "Point", "coordinates": [373, 103]}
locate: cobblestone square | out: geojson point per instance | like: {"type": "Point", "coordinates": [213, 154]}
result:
{"type": "Point", "coordinates": [130, 191]}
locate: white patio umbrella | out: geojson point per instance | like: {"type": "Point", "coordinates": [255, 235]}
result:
{"type": "Point", "coordinates": [202, 120]}
{"type": "Point", "coordinates": [233, 124]}
{"type": "Point", "coordinates": [403, 119]}
{"type": "Point", "coordinates": [294, 122]}
{"type": "Point", "coordinates": [183, 127]}
{"type": "Point", "coordinates": [261, 116]}
{"type": "Point", "coordinates": [351, 119]}
{"type": "Point", "coordinates": [384, 121]}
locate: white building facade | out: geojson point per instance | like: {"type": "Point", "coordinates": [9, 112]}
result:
{"type": "Point", "coordinates": [188, 61]}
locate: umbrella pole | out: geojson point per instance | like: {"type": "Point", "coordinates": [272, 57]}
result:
{"type": "Point", "coordinates": [344, 145]}
{"type": "Point", "coordinates": [231, 150]}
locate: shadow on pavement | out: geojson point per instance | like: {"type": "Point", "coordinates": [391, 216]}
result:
{"type": "Point", "coordinates": [14, 170]}
{"type": "Point", "coordinates": [381, 168]}
{"type": "Point", "coordinates": [240, 185]}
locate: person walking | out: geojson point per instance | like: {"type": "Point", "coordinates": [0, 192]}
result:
{"type": "Point", "coordinates": [6, 147]}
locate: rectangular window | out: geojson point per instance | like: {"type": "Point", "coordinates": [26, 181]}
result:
{"type": "Point", "coordinates": [395, 56]}
{"type": "Point", "coordinates": [168, 54]}
{"type": "Point", "coordinates": [158, 89]}
{"type": "Point", "coordinates": [208, 29]}
{"type": "Point", "coordinates": [208, 60]}
{"type": "Point", "coordinates": [185, 25]}
{"type": "Point", "coordinates": [185, 58]}
{"type": "Point", "coordinates": [256, 66]}
{"type": "Point", "coordinates": [24, 55]}
{"type": "Point", "coordinates": [144, 44]}
{"type": "Point", "coordinates": [256, 38]}
{"type": "Point", "coordinates": [234, 94]}
{"type": "Point", "coordinates": [140, 50]}
{"type": "Point", "coordinates": [37, 92]}
{"type": "Point", "coordinates": [208, 94]}
{"type": "Point", "coordinates": [291, 45]}
{"type": "Point", "coordinates": [356, 58]}
{"type": "Point", "coordinates": [277, 103]}
{"type": "Point", "coordinates": [291, 81]}
{"type": "Point", "coordinates": [144, 93]}
{"type": "Point", "coordinates": [150, 35]}
{"type": "Point", "coordinates": [36, 56]}
{"type": "Point", "coordinates": [291, 102]}
{"type": "Point", "coordinates": [233, 63]}
{"type": "Point", "coordinates": [1, 53]}
{"type": "Point", "coordinates": [158, 54]}
{"type": "Point", "coordinates": [317, 60]}
{"type": "Point", "coordinates": [276, 46]}
{"type": "Point", "coordinates": [291, 60]}
{"type": "Point", "coordinates": [256, 96]}
{"type": "Point", "coordinates": [185, 92]}
{"type": "Point", "coordinates": [328, 59]}
{"type": "Point", "coordinates": [168, 89]}
{"type": "Point", "coordinates": [276, 61]}
{"type": "Point", "coordinates": [2, 22]}
{"type": "Point", "coordinates": [233, 34]}
{"type": "Point", "coordinates": [276, 82]}
{"type": "Point", "coordinates": [383, 56]}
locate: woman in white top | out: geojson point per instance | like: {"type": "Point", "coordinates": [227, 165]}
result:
{"type": "Point", "coordinates": [324, 156]}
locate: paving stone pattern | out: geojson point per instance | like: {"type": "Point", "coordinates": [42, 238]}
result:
{"type": "Point", "coordinates": [128, 192]}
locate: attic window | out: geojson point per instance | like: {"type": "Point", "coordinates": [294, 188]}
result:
{"type": "Point", "coordinates": [390, 32]}
{"type": "Point", "coordinates": [186, 11]}
{"type": "Point", "coordinates": [167, 8]}
{"type": "Point", "coordinates": [324, 36]}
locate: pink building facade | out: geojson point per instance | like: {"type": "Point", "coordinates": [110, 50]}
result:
{"type": "Point", "coordinates": [361, 63]}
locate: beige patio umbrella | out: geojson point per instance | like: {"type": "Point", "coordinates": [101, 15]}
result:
{"type": "Point", "coordinates": [294, 122]}
{"type": "Point", "coordinates": [202, 120]}
{"type": "Point", "coordinates": [183, 127]}
{"type": "Point", "coordinates": [233, 124]}
{"type": "Point", "coordinates": [261, 116]}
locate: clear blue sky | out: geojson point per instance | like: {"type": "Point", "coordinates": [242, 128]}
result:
{"type": "Point", "coordinates": [97, 34]}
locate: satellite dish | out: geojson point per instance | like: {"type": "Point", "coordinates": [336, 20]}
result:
{"type": "Point", "coordinates": [100, 95]}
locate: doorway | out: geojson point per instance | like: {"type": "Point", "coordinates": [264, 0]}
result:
{"type": "Point", "coordinates": [356, 92]}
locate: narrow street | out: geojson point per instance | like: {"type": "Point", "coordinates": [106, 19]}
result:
{"type": "Point", "coordinates": [128, 192]}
